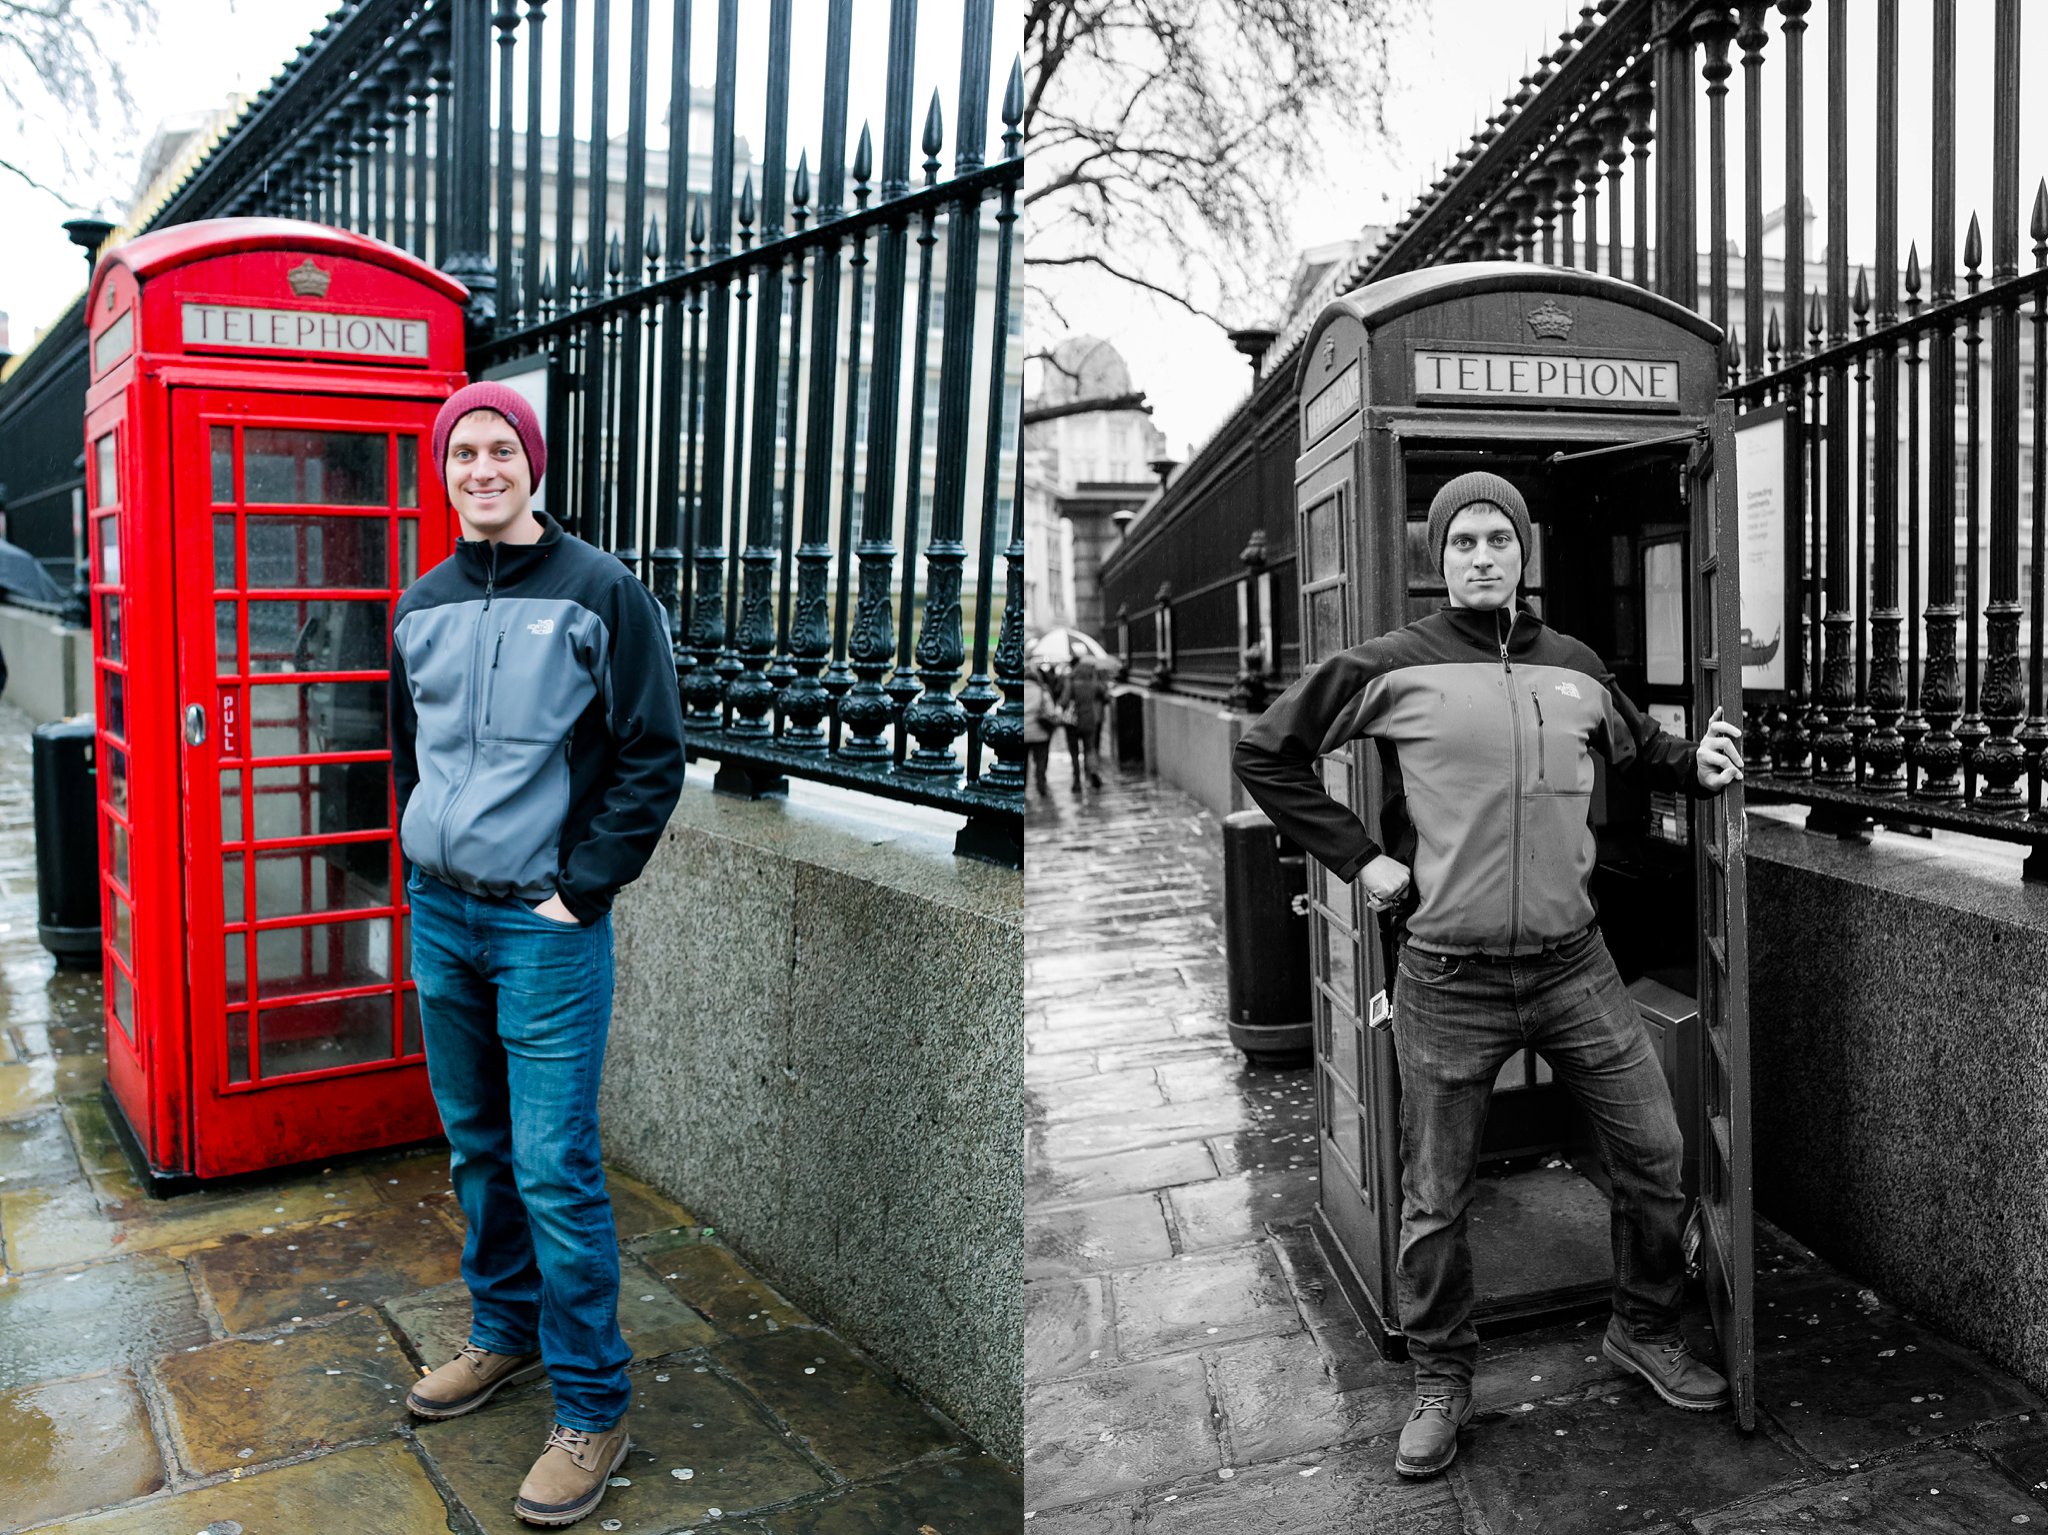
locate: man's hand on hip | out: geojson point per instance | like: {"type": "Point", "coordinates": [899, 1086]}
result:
{"type": "Point", "coordinates": [555, 911]}
{"type": "Point", "coordinates": [1719, 754]}
{"type": "Point", "coordinates": [1386, 883]}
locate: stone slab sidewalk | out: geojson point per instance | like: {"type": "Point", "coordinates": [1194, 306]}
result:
{"type": "Point", "coordinates": [1193, 1369]}
{"type": "Point", "coordinates": [235, 1362]}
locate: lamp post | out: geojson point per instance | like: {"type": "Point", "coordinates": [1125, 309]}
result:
{"type": "Point", "coordinates": [89, 235]}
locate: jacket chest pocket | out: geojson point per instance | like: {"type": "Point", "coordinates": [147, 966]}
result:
{"type": "Point", "coordinates": [534, 685]}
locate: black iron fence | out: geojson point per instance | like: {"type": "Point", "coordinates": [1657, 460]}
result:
{"type": "Point", "coordinates": [735, 385]}
{"type": "Point", "coordinates": [1920, 706]}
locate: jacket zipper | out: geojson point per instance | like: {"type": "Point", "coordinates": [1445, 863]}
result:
{"type": "Point", "coordinates": [1514, 791]}
{"type": "Point", "coordinates": [1536, 700]}
{"type": "Point", "coordinates": [476, 686]}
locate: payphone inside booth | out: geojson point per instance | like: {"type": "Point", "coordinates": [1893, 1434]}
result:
{"type": "Point", "coordinates": [1596, 399]}
{"type": "Point", "coordinates": [262, 395]}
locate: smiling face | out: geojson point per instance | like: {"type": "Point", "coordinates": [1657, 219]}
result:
{"type": "Point", "coordinates": [490, 482]}
{"type": "Point", "coordinates": [1482, 558]}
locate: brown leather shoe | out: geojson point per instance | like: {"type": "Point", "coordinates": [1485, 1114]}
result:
{"type": "Point", "coordinates": [569, 1479]}
{"type": "Point", "coordinates": [466, 1382]}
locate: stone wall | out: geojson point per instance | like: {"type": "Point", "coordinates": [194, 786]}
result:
{"type": "Point", "coordinates": [1899, 1037]}
{"type": "Point", "coordinates": [1188, 742]}
{"type": "Point", "coordinates": [49, 665]}
{"type": "Point", "coordinates": [817, 1048]}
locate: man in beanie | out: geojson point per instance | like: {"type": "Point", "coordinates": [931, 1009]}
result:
{"type": "Point", "coordinates": [536, 744]}
{"type": "Point", "coordinates": [1486, 720]}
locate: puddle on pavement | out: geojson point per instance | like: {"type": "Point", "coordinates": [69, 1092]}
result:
{"type": "Point", "coordinates": [54, 1325]}
{"type": "Point", "coordinates": [36, 1151]}
{"type": "Point", "coordinates": [691, 1421]}
{"type": "Point", "coordinates": [373, 1490]}
{"type": "Point", "coordinates": [78, 1444]}
{"type": "Point", "coordinates": [242, 1403]}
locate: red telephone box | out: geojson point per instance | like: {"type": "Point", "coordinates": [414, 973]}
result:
{"type": "Point", "coordinates": [262, 395]}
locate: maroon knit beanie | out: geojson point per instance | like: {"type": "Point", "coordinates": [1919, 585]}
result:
{"type": "Point", "coordinates": [507, 402]}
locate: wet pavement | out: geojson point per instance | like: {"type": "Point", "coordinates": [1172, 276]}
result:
{"type": "Point", "coordinates": [1192, 1367]}
{"type": "Point", "coordinates": [234, 1362]}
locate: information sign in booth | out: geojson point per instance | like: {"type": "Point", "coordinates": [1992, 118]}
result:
{"type": "Point", "coordinates": [262, 394]}
{"type": "Point", "coordinates": [1597, 400]}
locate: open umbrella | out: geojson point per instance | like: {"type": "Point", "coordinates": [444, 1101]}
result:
{"type": "Point", "coordinates": [23, 574]}
{"type": "Point", "coordinates": [1063, 647]}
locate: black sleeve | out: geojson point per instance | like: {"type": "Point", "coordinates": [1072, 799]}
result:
{"type": "Point", "coordinates": [646, 770]}
{"type": "Point", "coordinates": [405, 763]}
{"type": "Point", "coordinates": [1276, 760]}
{"type": "Point", "coordinates": [1637, 744]}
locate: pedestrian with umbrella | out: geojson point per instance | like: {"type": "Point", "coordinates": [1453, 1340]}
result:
{"type": "Point", "coordinates": [1084, 702]}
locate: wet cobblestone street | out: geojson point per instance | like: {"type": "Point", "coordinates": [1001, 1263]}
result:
{"type": "Point", "coordinates": [234, 1361]}
{"type": "Point", "coordinates": [1192, 1367]}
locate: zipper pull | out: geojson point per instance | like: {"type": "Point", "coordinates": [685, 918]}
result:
{"type": "Point", "coordinates": [1533, 698]}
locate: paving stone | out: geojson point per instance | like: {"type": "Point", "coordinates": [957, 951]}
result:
{"type": "Point", "coordinates": [1281, 1397]}
{"type": "Point", "coordinates": [1352, 1491]}
{"type": "Point", "coordinates": [2021, 1446]}
{"type": "Point", "coordinates": [1210, 1298]}
{"type": "Point", "coordinates": [1847, 1394]}
{"type": "Point", "coordinates": [1143, 1027]}
{"type": "Point", "coordinates": [92, 1133]}
{"type": "Point", "coordinates": [1066, 1326]}
{"type": "Point", "coordinates": [638, 1210]}
{"type": "Point", "coordinates": [1116, 1517]}
{"type": "Point", "coordinates": [260, 1281]}
{"type": "Point", "coordinates": [1103, 1093]}
{"type": "Point", "coordinates": [1050, 1187]}
{"type": "Point", "coordinates": [1087, 1239]}
{"type": "Point", "coordinates": [1117, 1430]}
{"type": "Point", "coordinates": [1219, 1072]}
{"type": "Point", "coordinates": [1132, 1128]}
{"type": "Point", "coordinates": [1559, 1361]}
{"type": "Point", "coordinates": [377, 1489]}
{"type": "Point", "coordinates": [692, 1421]}
{"type": "Point", "coordinates": [36, 1151]}
{"type": "Point", "coordinates": [1943, 1492]}
{"type": "Point", "coordinates": [56, 1227]}
{"type": "Point", "coordinates": [410, 1177]}
{"type": "Point", "coordinates": [837, 1404]}
{"type": "Point", "coordinates": [651, 1319]}
{"type": "Point", "coordinates": [1600, 1463]}
{"type": "Point", "coordinates": [716, 1285]}
{"type": "Point", "coordinates": [1225, 1212]}
{"type": "Point", "coordinates": [74, 1445]}
{"type": "Point", "coordinates": [28, 1087]}
{"type": "Point", "coordinates": [956, 1497]}
{"type": "Point", "coordinates": [306, 1389]}
{"type": "Point", "coordinates": [54, 1325]}
{"type": "Point", "coordinates": [203, 1218]}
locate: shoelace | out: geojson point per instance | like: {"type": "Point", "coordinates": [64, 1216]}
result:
{"type": "Point", "coordinates": [1425, 1404]}
{"type": "Point", "coordinates": [474, 1355]}
{"type": "Point", "coordinates": [573, 1440]}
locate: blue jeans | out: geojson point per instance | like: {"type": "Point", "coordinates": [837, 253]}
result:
{"type": "Point", "coordinates": [1457, 1020]}
{"type": "Point", "coordinates": [514, 1008]}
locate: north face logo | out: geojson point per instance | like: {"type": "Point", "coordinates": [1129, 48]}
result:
{"type": "Point", "coordinates": [1569, 689]}
{"type": "Point", "coordinates": [547, 626]}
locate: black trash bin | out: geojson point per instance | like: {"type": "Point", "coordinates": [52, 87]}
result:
{"type": "Point", "coordinates": [1265, 935]}
{"type": "Point", "coordinates": [1127, 717]}
{"type": "Point", "coordinates": [67, 841]}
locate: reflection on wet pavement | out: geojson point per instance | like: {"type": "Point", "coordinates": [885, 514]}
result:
{"type": "Point", "coordinates": [1192, 1366]}
{"type": "Point", "coordinates": [237, 1358]}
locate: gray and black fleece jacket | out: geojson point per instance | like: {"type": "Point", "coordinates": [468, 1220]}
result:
{"type": "Point", "coordinates": [1486, 723]}
{"type": "Point", "coordinates": [536, 728]}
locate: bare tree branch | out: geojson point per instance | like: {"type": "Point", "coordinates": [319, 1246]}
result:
{"type": "Point", "coordinates": [1034, 414]}
{"type": "Point", "coordinates": [1167, 138]}
{"type": "Point", "coordinates": [58, 76]}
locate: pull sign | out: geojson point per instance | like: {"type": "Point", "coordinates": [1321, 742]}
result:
{"type": "Point", "coordinates": [1379, 1013]}
{"type": "Point", "coordinates": [230, 723]}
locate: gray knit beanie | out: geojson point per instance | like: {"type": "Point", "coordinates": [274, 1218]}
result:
{"type": "Point", "coordinates": [1467, 490]}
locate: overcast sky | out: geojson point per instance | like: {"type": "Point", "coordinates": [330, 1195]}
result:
{"type": "Point", "coordinates": [1453, 67]}
{"type": "Point", "coordinates": [205, 50]}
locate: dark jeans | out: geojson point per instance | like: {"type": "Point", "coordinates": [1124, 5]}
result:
{"type": "Point", "coordinates": [515, 1008]}
{"type": "Point", "coordinates": [1037, 755]}
{"type": "Point", "coordinates": [1457, 1020]}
